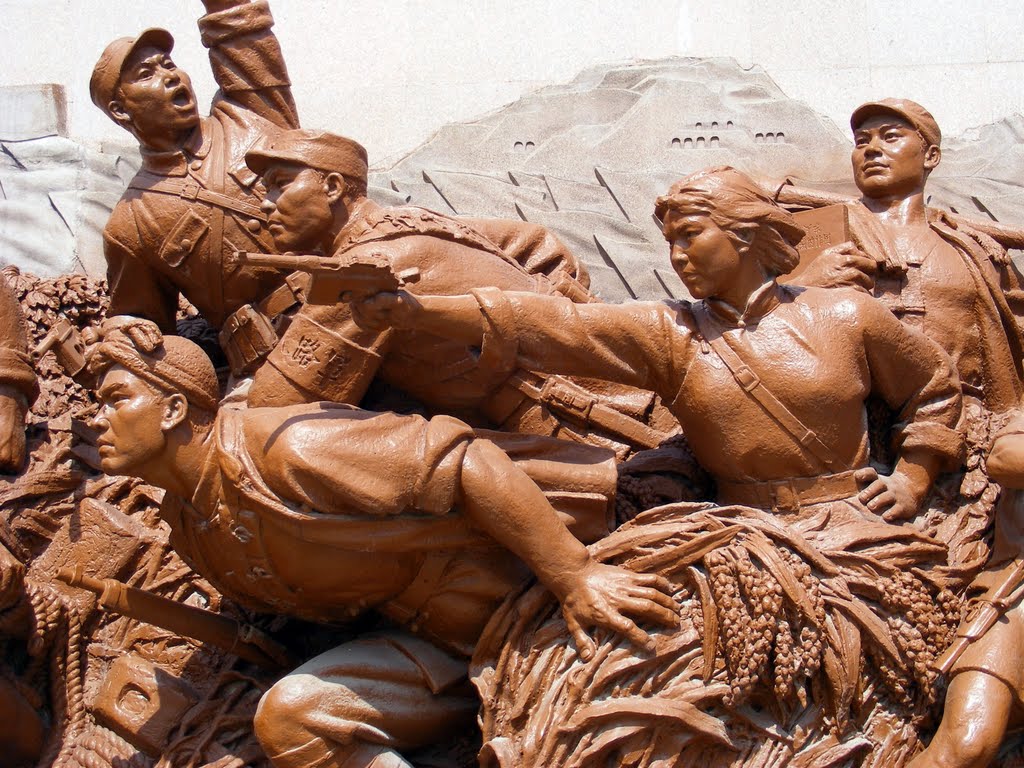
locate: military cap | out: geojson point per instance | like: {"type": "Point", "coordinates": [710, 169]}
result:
{"type": "Point", "coordinates": [106, 75]}
{"type": "Point", "coordinates": [323, 151]}
{"type": "Point", "coordinates": [910, 111]}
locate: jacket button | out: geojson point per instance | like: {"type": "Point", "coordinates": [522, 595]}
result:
{"type": "Point", "coordinates": [254, 225]}
{"type": "Point", "coordinates": [186, 244]}
{"type": "Point", "coordinates": [195, 165]}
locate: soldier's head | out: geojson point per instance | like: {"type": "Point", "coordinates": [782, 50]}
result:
{"type": "Point", "coordinates": [895, 148]}
{"type": "Point", "coordinates": [138, 86]}
{"type": "Point", "coordinates": [156, 393]}
{"type": "Point", "coordinates": [723, 230]}
{"type": "Point", "coordinates": [312, 179]}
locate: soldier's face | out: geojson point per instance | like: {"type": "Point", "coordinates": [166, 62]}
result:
{"type": "Point", "coordinates": [890, 158]}
{"type": "Point", "coordinates": [702, 254]}
{"type": "Point", "coordinates": [129, 423]}
{"type": "Point", "coordinates": [156, 97]}
{"type": "Point", "coordinates": [298, 207]}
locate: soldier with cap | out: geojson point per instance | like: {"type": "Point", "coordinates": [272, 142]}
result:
{"type": "Point", "coordinates": [935, 272]}
{"type": "Point", "coordinates": [324, 511]}
{"type": "Point", "coordinates": [950, 279]}
{"type": "Point", "coordinates": [316, 202]}
{"type": "Point", "coordinates": [194, 201]}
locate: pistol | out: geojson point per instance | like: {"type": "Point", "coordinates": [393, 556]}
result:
{"type": "Point", "coordinates": [337, 278]}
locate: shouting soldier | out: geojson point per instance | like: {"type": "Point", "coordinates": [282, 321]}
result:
{"type": "Point", "coordinates": [194, 200]}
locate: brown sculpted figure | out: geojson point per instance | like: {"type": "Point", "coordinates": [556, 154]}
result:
{"type": "Point", "coordinates": [959, 286]}
{"type": "Point", "coordinates": [316, 203]}
{"type": "Point", "coordinates": [769, 383]}
{"type": "Point", "coordinates": [935, 272]}
{"type": "Point", "coordinates": [325, 511]}
{"type": "Point", "coordinates": [983, 701]}
{"type": "Point", "coordinates": [728, 257]}
{"type": "Point", "coordinates": [194, 201]}
{"type": "Point", "coordinates": [21, 728]}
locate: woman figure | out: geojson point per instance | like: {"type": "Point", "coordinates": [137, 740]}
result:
{"type": "Point", "coordinates": [769, 382]}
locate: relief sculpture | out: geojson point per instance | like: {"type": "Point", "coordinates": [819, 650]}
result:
{"type": "Point", "coordinates": [314, 481]}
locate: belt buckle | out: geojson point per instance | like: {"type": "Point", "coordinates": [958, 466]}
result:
{"type": "Point", "coordinates": [190, 191]}
{"type": "Point", "coordinates": [785, 497]}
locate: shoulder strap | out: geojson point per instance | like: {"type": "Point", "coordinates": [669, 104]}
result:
{"type": "Point", "coordinates": [751, 383]}
{"type": "Point", "coordinates": [189, 190]}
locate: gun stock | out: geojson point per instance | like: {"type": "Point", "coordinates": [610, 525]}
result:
{"type": "Point", "coordinates": [994, 603]}
{"type": "Point", "coordinates": [244, 641]}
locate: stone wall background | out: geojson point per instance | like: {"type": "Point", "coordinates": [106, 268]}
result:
{"type": "Point", "coordinates": [393, 73]}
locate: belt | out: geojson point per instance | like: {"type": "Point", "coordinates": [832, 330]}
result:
{"type": "Point", "coordinates": [790, 494]}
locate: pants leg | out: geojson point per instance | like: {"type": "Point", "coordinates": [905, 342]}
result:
{"type": "Point", "coordinates": [362, 704]}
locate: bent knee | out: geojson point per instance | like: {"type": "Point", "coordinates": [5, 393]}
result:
{"type": "Point", "coordinates": [967, 744]}
{"type": "Point", "coordinates": [280, 720]}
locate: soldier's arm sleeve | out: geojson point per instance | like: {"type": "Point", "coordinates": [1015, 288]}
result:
{"type": "Point", "coordinates": [627, 343]}
{"type": "Point", "coordinates": [17, 375]}
{"type": "Point", "coordinates": [247, 61]}
{"type": "Point", "coordinates": [136, 288]}
{"type": "Point", "coordinates": [533, 247]}
{"type": "Point", "coordinates": [917, 379]}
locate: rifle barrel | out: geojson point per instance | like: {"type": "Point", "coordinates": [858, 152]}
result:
{"type": "Point", "coordinates": [186, 620]}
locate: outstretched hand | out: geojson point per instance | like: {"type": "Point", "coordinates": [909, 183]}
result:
{"type": "Point", "coordinates": [840, 266]}
{"type": "Point", "coordinates": [894, 497]}
{"type": "Point", "coordinates": [615, 598]}
{"type": "Point", "coordinates": [386, 310]}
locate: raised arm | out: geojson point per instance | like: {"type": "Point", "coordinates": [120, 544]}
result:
{"type": "Point", "coordinates": [246, 59]}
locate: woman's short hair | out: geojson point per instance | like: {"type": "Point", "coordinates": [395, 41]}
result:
{"type": "Point", "coordinates": [733, 200]}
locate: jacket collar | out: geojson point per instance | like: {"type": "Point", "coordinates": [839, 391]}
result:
{"type": "Point", "coordinates": [761, 302]}
{"type": "Point", "coordinates": [176, 162]}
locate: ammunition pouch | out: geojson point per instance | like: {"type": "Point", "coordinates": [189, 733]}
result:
{"type": "Point", "coordinates": [249, 334]}
{"type": "Point", "coordinates": [566, 399]}
{"type": "Point", "coordinates": [247, 337]}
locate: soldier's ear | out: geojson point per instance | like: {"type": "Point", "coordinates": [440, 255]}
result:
{"type": "Point", "coordinates": [336, 187]}
{"type": "Point", "coordinates": [932, 156]}
{"type": "Point", "coordinates": [119, 114]}
{"type": "Point", "coordinates": [175, 412]}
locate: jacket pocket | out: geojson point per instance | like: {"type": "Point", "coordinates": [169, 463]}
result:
{"type": "Point", "coordinates": [184, 238]}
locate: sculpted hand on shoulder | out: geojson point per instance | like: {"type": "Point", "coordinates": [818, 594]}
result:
{"type": "Point", "coordinates": [840, 266]}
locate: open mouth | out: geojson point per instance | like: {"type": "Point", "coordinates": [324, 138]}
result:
{"type": "Point", "coordinates": [182, 98]}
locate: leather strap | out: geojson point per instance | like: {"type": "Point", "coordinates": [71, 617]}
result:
{"type": "Point", "coordinates": [187, 189]}
{"type": "Point", "coordinates": [789, 494]}
{"type": "Point", "coordinates": [562, 396]}
{"type": "Point", "coordinates": [751, 383]}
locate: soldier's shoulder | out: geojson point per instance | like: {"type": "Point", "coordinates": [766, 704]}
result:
{"type": "Point", "coordinates": [409, 221]}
